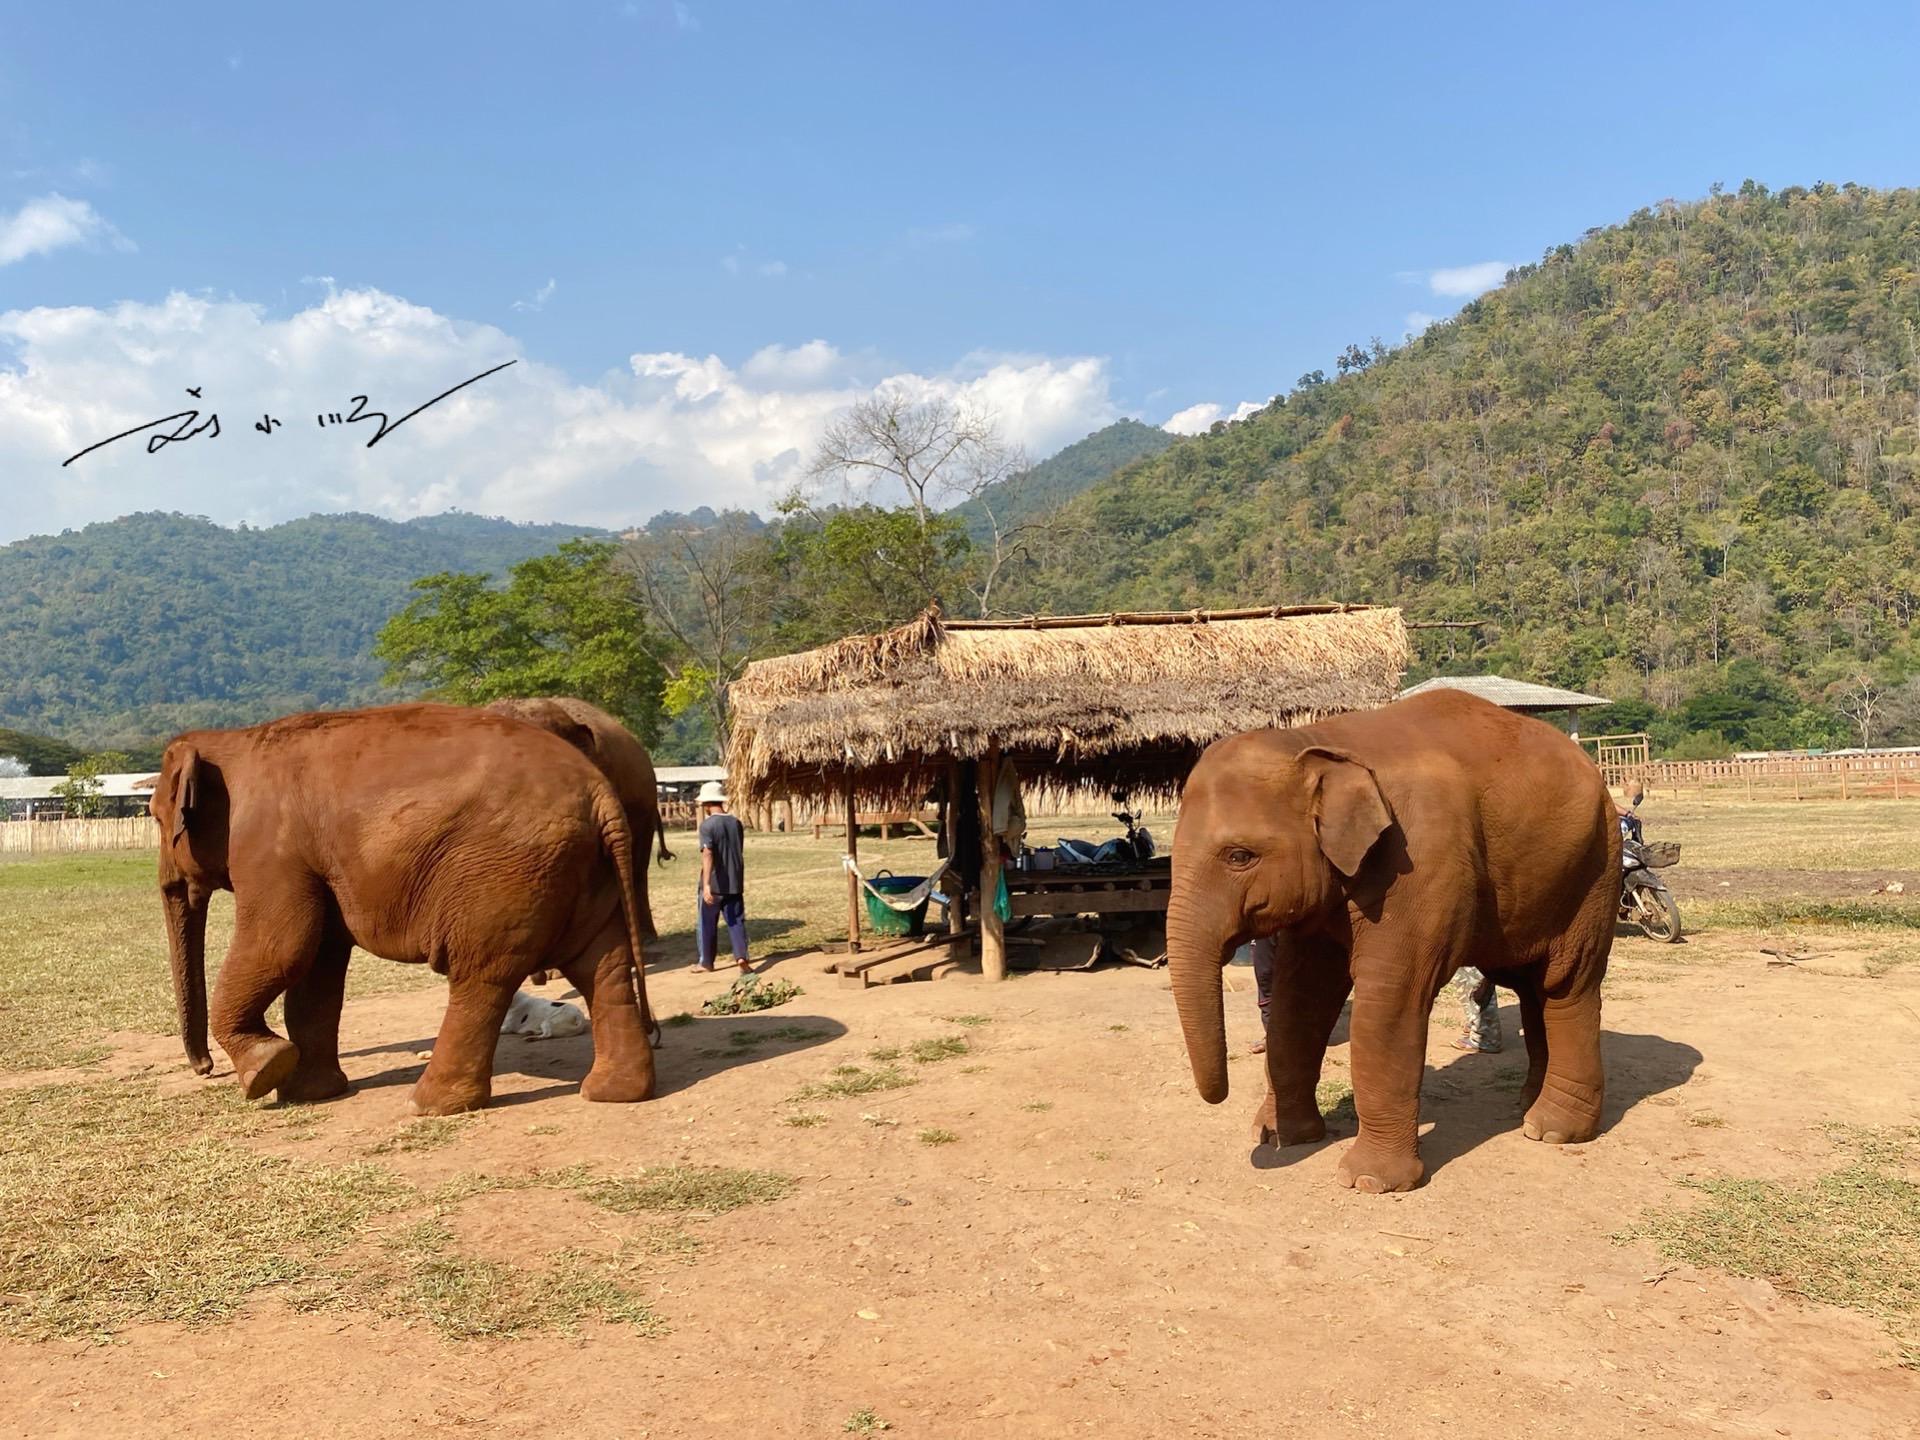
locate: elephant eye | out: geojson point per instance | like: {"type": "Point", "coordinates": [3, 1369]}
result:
{"type": "Point", "coordinates": [1240, 858]}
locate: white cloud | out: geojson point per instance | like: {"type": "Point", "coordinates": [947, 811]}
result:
{"type": "Point", "coordinates": [1465, 281]}
{"type": "Point", "coordinates": [53, 222]}
{"type": "Point", "coordinates": [952, 232]}
{"type": "Point", "coordinates": [539, 298]}
{"type": "Point", "coordinates": [671, 431]}
{"type": "Point", "coordinates": [1419, 321]}
{"type": "Point", "coordinates": [1197, 419]}
{"type": "Point", "coordinates": [1193, 420]}
{"type": "Point", "coordinates": [773, 268]}
{"type": "Point", "coordinates": [684, 17]}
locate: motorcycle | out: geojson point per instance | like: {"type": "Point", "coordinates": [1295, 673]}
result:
{"type": "Point", "coordinates": [1645, 901]}
{"type": "Point", "coordinates": [1131, 848]}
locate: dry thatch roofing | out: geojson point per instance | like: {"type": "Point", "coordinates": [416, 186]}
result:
{"type": "Point", "coordinates": [1082, 700]}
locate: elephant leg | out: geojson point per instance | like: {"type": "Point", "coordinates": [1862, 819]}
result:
{"type": "Point", "coordinates": [276, 934]}
{"type": "Point", "coordinates": [1389, 1048]}
{"type": "Point", "coordinates": [1533, 1022]}
{"type": "Point", "coordinates": [459, 1077]}
{"type": "Point", "coordinates": [313, 1023]}
{"type": "Point", "coordinates": [605, 976]}
{"type": "Point", "coordinates": [1567, 1109]}
{"type": "Point", "coordinates": [1310, 984]}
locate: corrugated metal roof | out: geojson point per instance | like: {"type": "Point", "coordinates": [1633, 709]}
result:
{"type": "Point", "coordinates": [689, 774]}
{"type": "Point", "coordinates": [40, 787]}
{"type": "Point", "coordinates": [1510, 694]}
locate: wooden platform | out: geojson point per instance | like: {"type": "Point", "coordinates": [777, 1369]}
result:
{"type": "Point", "coordinates": [926, 957]}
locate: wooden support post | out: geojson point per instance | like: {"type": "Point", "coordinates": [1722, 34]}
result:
{"type": "Point", "coordinates": [993, 934]}
{"type": "Point", "coordinates": [956, 883]}
{"type": "Point", "coordinates": [853, 880]}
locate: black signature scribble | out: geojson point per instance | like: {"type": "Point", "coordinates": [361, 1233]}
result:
{"type": "Point", "coordinates": [187, 423]}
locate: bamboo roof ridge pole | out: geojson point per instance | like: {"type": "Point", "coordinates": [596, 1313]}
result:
{"type": "Point", "coordinates": [853, 874]}
{"type": "Point", "coordinates": [993, 934]}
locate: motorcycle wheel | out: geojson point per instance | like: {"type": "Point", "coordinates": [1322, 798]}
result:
{"type": "Point", "coordinates": [1656, 915]}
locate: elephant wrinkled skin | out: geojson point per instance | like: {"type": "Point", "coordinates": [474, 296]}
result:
{"type": "Point", "coordinates": [1384, 850]}
{"type": "Point", "coordinates": [621, 758]}
{"type": "Point", "coordinates": [433, 834]}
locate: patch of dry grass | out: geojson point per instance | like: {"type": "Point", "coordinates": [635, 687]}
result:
{"type": "Point", "coordinates": [855, 1080]}
{"type": "Point", "coordinates": [428, 1133]}
{"type": "Point", "coordinates": [709, 1190]}
{"type": "Point", "coordinates": [85, 953]}
{"type": "Point", "coordinates": [1828, 835]}
{"type": "Point", "coordinates": [120, 1206]}
{"type": "Point", "coordinates": [936, 1136]}
{"type": "Point", "coordinates": [1849, 1238]}
{"type": "Point", "coordinates": [943, 1047]}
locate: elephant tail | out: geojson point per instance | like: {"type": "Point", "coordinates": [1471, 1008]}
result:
{"type": "Point", "coordinates": [660, 835]}
{"type": "Point", "coordinates": [616, 840]}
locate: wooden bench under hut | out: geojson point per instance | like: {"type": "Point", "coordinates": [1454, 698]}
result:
{"type": "Point", "coordinates": [1077, 703]}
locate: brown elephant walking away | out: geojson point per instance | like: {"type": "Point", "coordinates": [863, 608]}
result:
{"type": "Point", "coordinates": [432, 834]}
{"type": "Point", "coordinates": [629, 769]}
{"type": "Point", "coordinates": [1384, 850]}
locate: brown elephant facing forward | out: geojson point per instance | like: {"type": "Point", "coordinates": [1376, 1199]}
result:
{"type": "Point", "coordinates": [469, 842]}
{"type": "Point", "coordinates": [1384, 850]}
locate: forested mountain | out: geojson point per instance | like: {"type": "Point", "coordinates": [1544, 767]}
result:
{"type": "Point", "coordinates": [1060, 477]}
{"type": "Point", "coordinates": [138, 627]}
{"type": "Point", "coordinates": [1675, 462]}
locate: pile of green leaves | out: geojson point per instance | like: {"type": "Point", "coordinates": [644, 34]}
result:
{"type": "Point", "coordinates": [749, 993]}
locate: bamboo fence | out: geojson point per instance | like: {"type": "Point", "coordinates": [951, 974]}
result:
{"type": "Point", "coordinates": [1868, 775]}
{"type": "Point", "coordinates": [77, 837]}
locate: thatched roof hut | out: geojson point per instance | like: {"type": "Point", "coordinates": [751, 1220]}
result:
{"type": "Point", "coordinates": [1074, 701]}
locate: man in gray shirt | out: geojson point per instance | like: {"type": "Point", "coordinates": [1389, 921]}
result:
{"type": "Point", "coordinates": [722, 880]}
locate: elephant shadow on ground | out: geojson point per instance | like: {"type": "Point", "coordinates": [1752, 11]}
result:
{"type": "Point", "coordinates": [1475, 1097]}
{"type": "Point", "coordinates": [689, 1052]}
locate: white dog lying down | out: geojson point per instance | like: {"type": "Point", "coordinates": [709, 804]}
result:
{"type": "Point", "coordinates": [539, 1019]}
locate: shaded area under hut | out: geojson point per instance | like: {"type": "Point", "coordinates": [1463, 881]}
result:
{"type": "Point", "coordinates": [1080, 703]}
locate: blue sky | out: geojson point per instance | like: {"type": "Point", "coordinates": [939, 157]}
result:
{"type": "Point", "coordinates": [702, 226]}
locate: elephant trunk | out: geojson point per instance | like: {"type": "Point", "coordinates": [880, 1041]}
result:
{"type": "Point", "coordinates": [187, 950]}
{"type": "Point", "coordinates": [1195, 957]}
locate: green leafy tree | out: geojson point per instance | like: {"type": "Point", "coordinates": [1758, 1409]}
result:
{"type": "Point", "coordinates": [569, 623]}
{"type": "Point", "coordinates": [848, 571]}
{"type": "Point", "coordinates": [81, 791]}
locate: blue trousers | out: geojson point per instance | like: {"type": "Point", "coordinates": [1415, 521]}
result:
{"type": "Point", "coordinates": [706, 929]}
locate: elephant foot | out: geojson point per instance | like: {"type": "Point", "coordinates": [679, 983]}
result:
{"type": "Point", "coordinates": [1555, 1124]}
{"type": "Point", "coordinates": [431, 1097]}
{"type": "Point", "coordinates": [1374, 1171]}
{"type": "Point", "coordinates": [306, 1086]}
{"type": "Point", "coordinates": [1295, 1127]}
{"type": "Point", "coordinates": [265, 1065]}
{"type": "Point", "coordinates": [617, 1085]}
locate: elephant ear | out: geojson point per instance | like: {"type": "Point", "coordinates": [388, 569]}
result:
{"type": "Point", "coordinates": [1349, 812]}
{"type": "Point", "coordinates": [183, 792]}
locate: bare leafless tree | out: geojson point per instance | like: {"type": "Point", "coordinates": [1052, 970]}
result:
{"type": "Point", "coordinates": [936, 450]}
{"type": "Point", "coordinates": [707, 590]}
{"type": "Point", "coordinates": [1861, 701]}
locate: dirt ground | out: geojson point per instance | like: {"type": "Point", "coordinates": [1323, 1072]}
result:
{"type": "Point", "coordinates": [1120, 1262]}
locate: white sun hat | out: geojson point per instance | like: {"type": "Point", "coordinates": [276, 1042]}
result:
{"type": "Point", "coordinates": [713, 793]}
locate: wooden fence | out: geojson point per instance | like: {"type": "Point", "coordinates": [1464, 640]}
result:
{"type": "Point", "coordinates": [1870, 774]}
{"type": "Point", "coordinates": [77, 837]}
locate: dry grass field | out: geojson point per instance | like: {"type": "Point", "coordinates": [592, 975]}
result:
{"type": "Point", "coordinates": [952, 1209]}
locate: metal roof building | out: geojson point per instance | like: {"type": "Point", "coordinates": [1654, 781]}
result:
{"type": "Point", "coordinates": [1521, 695]}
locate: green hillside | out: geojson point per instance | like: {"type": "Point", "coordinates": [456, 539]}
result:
{"type": "Point", "coordinates": [144, 625]}
{"type": "Point", "coordinates": [1673, 463]}
{"type": "Point", "coordinates": [1060, 477]}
